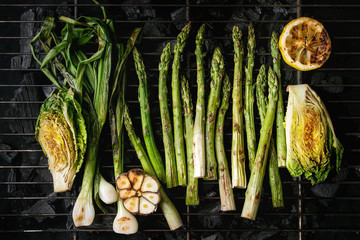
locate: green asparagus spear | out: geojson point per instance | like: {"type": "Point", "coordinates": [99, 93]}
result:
{"type": "Point", "coordinates": [148, 135]}
{"type": "Point", "coordinates": [171, 214]}
{"type": "Point", "coordinates": [177, 109]}
{"type": "Point", "coordinates": [199, 127]}
{"type": "Point", "coordinates": [217, 73]}
{"type": "Point", "coordinates": [225, 189]}
{"type": "Point", "coordinates": [249, 98]}
{"type": "Point", "coordinates": [274, 175]}
{"type": "Point", "coordinates": [253, 192]}
{"type": "Point", "coordinates": [168, 137]}
{"type": "Point", "coordinates": [192, 196]}
{"type": "Point", "coordinates": [280, 129]}
{"type": "Point", "coordinates": [237, 146]}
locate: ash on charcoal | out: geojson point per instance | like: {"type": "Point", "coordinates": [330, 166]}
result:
{"type": "Point", "coordinates": [48, 90]}
{"type": "Point", "coordinates": [7, 156]}
{"type": "Point", "coordinates": [211, 221]}
{"type": "Point", "coordinates": [11, 178]}
{"type": "Point", "coordinates": [135, 13]}
{"type": "Point", "coordinates": [64, 11]}
{"type": "Point", "coordinates": [321, 78]}
{"type": "Point", "coordinates": [44, 172]}
{"type": "Point", "coordinates": [257, 235]}
{"type": "Point", "coordinates": [24, 110]}
{"type": "Point", "coordinates": [29, 159]}
{"type": "Point", "coordinates": [179, 18]}
{"type": "Point", "coordinates": [216, 236]}
{"type": "Point", "coordinates": [209, 45]}
{"type": "Point", "coordinates": [156, 28]}
{"type": "Point", "coordinates": [282, 10]}
{"type": "Point", "coordinates": [41, 207]}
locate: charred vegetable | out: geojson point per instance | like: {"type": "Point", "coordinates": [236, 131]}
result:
{"type": "Point", "coordinates": [310, 136]}
{"type": "Point", "coordinates": [217, 73]}
{"type": "Point", "coordinates": [170, 213]}
{"type": "Point", "coordinates": [61, 132]}
{"type": "Point", "coordinates": [139, 192]}
{"type": "Point", "coordinates": [253, 191]}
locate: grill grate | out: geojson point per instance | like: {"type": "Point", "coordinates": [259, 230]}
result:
{"type": "Point", "coordinates": [28, 208]}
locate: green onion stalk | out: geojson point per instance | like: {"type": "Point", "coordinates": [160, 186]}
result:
{"type": "Point", "coordinates": [274, 175]}
{"type": "Point", "coordinates": [177, 108]}
{"type": "Point", "coordinates": [217, 73]}
{"type": "Point", "coordinates": [280, 128]}
{"type": "Point", "coordinates": [199, 125]}
{"type": "Point", "coordinates": [249, 98]}
{"type": "Point", "coordinates": [237, 146]}
{"type": "Point", "coordinates": [170, 212]}
{"type": "Point", "coordinates": [254, 189]}
{"type": "Point", "coordinates": [225, 189]}
{"type": "Point", "coordinates": [147, 131]}
{"type": "Point", "coordinates": [168, 136]}
{"type": "Point", "coordinates": [192, 188]}
{"type": "Point", "coordinates": [124, 222]}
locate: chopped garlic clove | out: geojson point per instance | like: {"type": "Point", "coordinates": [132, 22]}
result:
{"type": "Point", "coordinates": [123, 182]}
{"type": "Point", "coordinates": [150, 184]}
{"type": "Point", "coordinates": [154, 198]}
{"type": "Point", "coordinates": [127, 193]}
{"type": "Point", "coordinates": [136, 177]}
{"type": "Point", "coordinates": [146, 207]}
{"type": "Point", "coordinates": [132, 204]}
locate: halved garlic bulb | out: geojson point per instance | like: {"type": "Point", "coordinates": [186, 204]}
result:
{"type": "Point", "coordinates": [139, 192]}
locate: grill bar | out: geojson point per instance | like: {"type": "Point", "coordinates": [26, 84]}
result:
{"type": "Point", "coordinates": [298, 190]}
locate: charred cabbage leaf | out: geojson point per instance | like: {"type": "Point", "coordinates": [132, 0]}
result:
{"type": "Point", "coordinates": [312, 147]}
{"type": "Point", "coordinates": [61, 132]}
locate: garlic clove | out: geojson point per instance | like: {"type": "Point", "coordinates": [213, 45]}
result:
{"type": "Point", "coordinates": [136, 177]}
{"type": "Point", "coordinates": [150, 184]}
{"type": "Point", "coordinates": [132, 205]}
{"type": "Point", "coordinates": [127, 193]}
{"type": "Point", "coordinates": [146, 207]}
{"type": "Point", "coordinates": [154, 198]}
{"type": "Point", "coordinates": [123, 182]}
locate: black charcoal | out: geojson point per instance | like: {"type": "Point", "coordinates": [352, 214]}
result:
{"type": "Point", "coordinates": [257, 235]}
{"type": "Point", "coordinates": [282, 10]}
{"type": "Point", "coordinates": [11, 178]}
{"type": "Point", "coordinates": [174, 236]}
{"type": "Point", "coordinates": [136, 13]}
{"type": "Point", "coordinates": [212, 237]}
{"type": "Point", "coordinates": [156, 28]}
{"type": "Point", "coordinates": [41, 207]}
{"type": "Point", "coordinates": [179, 18]}
{"type": "Point", "coordinates": [321, 78]}
{"type": "Point", "coordinates": [330, 188]}
{"type": "Point", "coordinates": [25, 110]}
{"type": "Point", "coordinates": [44, 172]}
{"type": "Point", "coordinates": [7, 156]}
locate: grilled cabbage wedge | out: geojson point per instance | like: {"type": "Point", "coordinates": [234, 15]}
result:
{"type": "Point", "coordinates": [312, 147]}
{"type": "Point", "coordinates": [61, 132]}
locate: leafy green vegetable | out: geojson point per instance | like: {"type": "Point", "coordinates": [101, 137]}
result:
{"type": "Point", "coordinates": [61, 132]}
{"type": "Point", "coordinates": [310, 137]}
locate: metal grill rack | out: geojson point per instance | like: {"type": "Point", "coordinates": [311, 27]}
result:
{"type": "Point", "coordinates": [30, 210]}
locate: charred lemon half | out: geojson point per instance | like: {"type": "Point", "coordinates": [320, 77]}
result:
{"type": "Point", "coordinates": [305, 44]}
